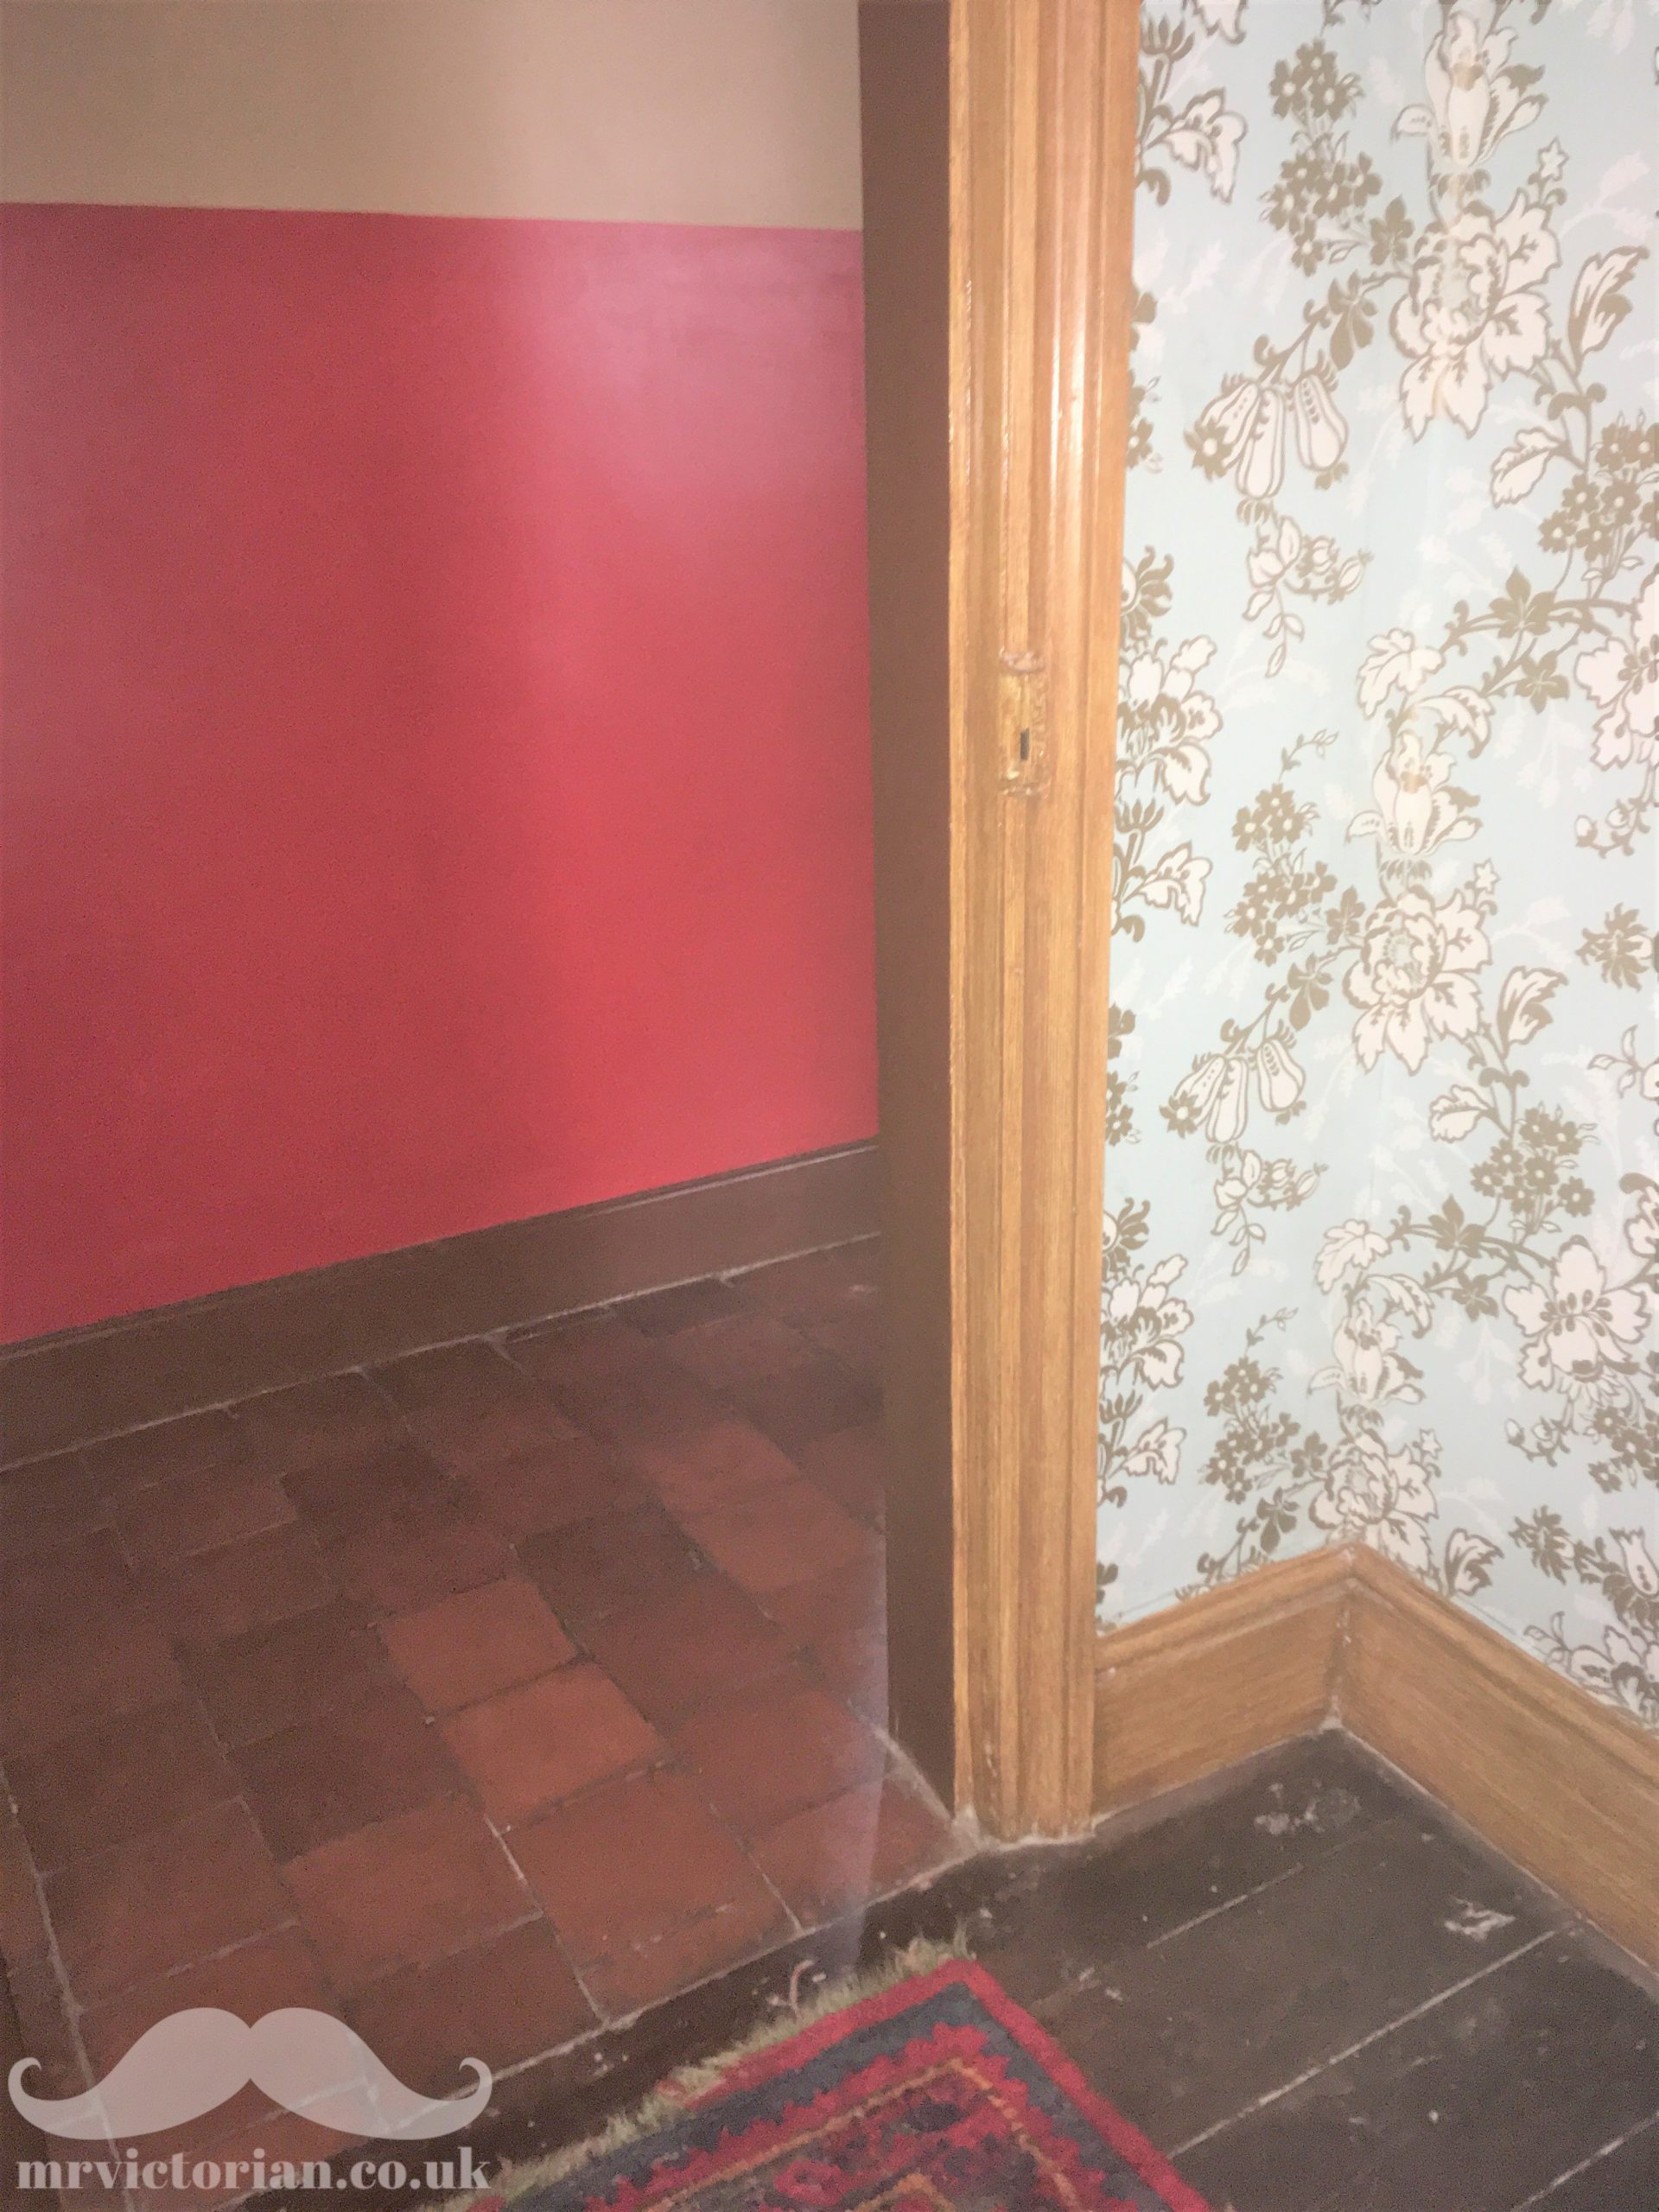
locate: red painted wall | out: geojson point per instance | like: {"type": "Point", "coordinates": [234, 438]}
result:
{"type": "Point", "coordinates": [435, 775]}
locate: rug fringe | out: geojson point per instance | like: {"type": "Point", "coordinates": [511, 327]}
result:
{"type": "Point", "coordinates": [689, 2084]}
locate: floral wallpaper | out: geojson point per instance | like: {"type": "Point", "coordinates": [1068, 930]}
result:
{"type": "Point", "coordinates": [1381, 1244]}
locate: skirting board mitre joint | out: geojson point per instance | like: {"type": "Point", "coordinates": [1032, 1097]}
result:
{"type": "Point", "coordinates": [1547, 1774]}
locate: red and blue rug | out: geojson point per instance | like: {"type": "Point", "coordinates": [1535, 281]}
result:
{"type": "Point", "coordinates": [938, 2093]}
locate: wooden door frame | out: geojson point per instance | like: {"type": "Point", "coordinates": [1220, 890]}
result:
{"type": "Point", "coordinates": [1041, 124]}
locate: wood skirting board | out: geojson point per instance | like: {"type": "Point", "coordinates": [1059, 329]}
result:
{"type": "Point", "coordinates": [1547, 1774]}
{"type": "Point", "coordinates": [84, 1383]}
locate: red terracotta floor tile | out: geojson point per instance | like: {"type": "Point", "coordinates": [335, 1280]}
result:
{"type": "Point", "coordinates": [600, 1567]}
{"type": "Point", "coordinates": [261, 1976]}
{"type": "Point", "coordinates": [856, 1337]}
{"type": "Point", "coordinates": [508, 1998]}
{"type": "Point", "coordinates": [342, 1496]}
{"type": "Point", "coordinates": [860, 1846]}
{"type": "Point", "coordinates": [625, 1863]}
{"type": "Point", "coordinates": [776, 1748]}
{"type": "Point", "coordinates": [200, 1512]}
{"type": "Point", "coordinates": [846, 1598]}
{"type": "Point", "coordinates": [623, 1982]}
{"type": "Point", "coordinates": [118, 1780]}
{"type": "Point", "coordinates": [713, 1463]}
{"type": "Point", "coordinates": [124, 1915]}
{"type": "Point", "coordinates": [185, 1446]}
{"type": "Point", "coordinates": [740, 1347]}
{"type": "Point", "coordinates": [259, 2146]}
{"type": "Point", "coordinates": [700, 1638]}
{"type": "Point", "coordinates": [341, 1418]}
{"type": "Point", "coordinates": [24, 1936]}
{"type": "Point", "coordinates": [468, 1403]}
{"type": "Point", "coordinates": [812, 1399]}
{"type": "Point", "coordinates": [405, 1892]}
{"type": "Point", "coordinates": [787, 1533]}
{"type": "Point", "coordinates": [531, 1746]}
{"type": "Point", "coordinates": [411, 1559]}
{"type": "Point", "coordinates": [658, 1404]}
{"type": "Point", "coordinates": [554, 1485]}
{"type": "Point", "coordinates": [470, 1646]}
{"type": "Point", "coordinates": [45, 2029]}
{"type": "Point", "coordinates": [226, 1594]}
{"type": "Point", "coordinates": [338, 1771]}
{"type": "Point", "coordinates": [850, 1466]}
{"type": "Point", "coordinates": [853, 1663]}
{"type": "Point", "coordinates": [52, 1687]}
{"type": "Point", "coordinates": [273, 1678]}
{"type": "Point", "coordinates": [584, 1361]}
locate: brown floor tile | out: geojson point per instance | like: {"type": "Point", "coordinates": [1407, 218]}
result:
{"type": "Point", "coordinates": [860, 1846]}
{"type": "Point", "coordinates": [600, 1567]}
{"type": "Point", "coordinates": [742, 1347]}
{"type": "Point", "coordinates": [666, 1312]}
{"type": "Point", "coordinates": [853, 1663]}
{"type": "Point", "coordinates": [50, 1503]}
{"type": "Point", "coordinates": [343, 1769]}
{"type": "Point", "coordinates": [122, 1916]}
{"type": "Point", "coordinates": [341, 1418]}
{"type": "Point", "coordinates": [271, 1678]}
{"type": "Point", "coordinates": [700, 1638]}
{"type": "Point", "coordinates": [508, 1998]}
{"type": "Point", "coordinates": [774, 1749]}
{"type": "Point", "coordinates": [51, 1687]}
{"type": "Point", "coordinates": [226, 1594]}
{"type": "Point", "coordinates": [168, 1448]}
{"type": "Point", "coordinates": [583, 1361]}
{"type": "Point", "coordinates": [258, 1977]}
{"type": "Point", "coordinates": [812, 1399]}
{"type": "Point", "coordinates": [47, 2033]}
{"type": "Point", "coordinates": [405, 1892]}
{"type": "Point", "coordinates": [87, 1578]}
{"type": "Point", "coordinates": [471, 1646]}
{"type": "Point", "coordinates": [411, 1559]}
{"type": "Point", "coordinates": [469, 1404]}
{"type": "Point", "coordinates": [786, 1533]}
{"type": "Point", "coordinates": [119, 1780]}
{"type": "Point", "coordinates": [281, 2137]}
{"type": "Point", "coordinates": [622, 1982]}
{"type": "Point", "coordinates": [851, 1466]}
{"type": "Point", "coordinates": [658, 1404]}
{"type": "Point", "coordinates": [200, 1512]}
{"type": "Point", "coordinates": [554, 1485]}
{"type": "Point", "coordinates": [342, 1496]}
{"type": "Point", "coordinates": [531, 1745]}
{"type": "Point", "coordinates": [856, 1337]}
{"type": "Point", "coordinates": [625, 1863]}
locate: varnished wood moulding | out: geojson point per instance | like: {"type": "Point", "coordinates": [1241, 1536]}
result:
{"type": "Point", "coordinates": [1547, 1774]}
{"type": "Point", "coordinates": [1197, 1686]}
{"type": "Point", "coordinates": [84, 1383]}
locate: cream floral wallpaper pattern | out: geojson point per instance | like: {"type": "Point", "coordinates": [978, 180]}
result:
{"type": "Point", "coordinates": [1381, 1245]}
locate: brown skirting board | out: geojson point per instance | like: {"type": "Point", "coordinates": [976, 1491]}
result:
{"type": "Point", "coordinates": [84, 1383]}
{"type": "Point", "coordinates": [1556, 1779]}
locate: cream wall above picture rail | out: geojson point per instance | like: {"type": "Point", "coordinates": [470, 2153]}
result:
{"type": "Point", "coordinates": [1382, 1216]}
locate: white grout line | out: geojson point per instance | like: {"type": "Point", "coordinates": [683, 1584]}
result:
{"type": "Point", "coordinates": [1584, 2165]}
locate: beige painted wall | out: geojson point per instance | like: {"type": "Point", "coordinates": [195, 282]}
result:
{"type": "Point", "coordinates": [645, 111]}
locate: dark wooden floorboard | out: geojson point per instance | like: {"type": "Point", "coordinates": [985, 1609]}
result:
{"type": "Point", "coordinates": [1475, 2104]}
{"type": "Point", "coordinates": [1301, 1972]}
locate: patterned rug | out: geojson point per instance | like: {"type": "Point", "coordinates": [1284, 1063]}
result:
{"type": "Point", "coordinates": [938, 2091]}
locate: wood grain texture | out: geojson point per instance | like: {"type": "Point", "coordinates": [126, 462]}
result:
{"type": "Point", "coordinates": [1547, 1774]}
{"type": "Point", "coordinates": [1540, 1770]}
{"type": "Point", "coordinates": [904, 73]}
{"type": "Point", "coordinates": [1198, 1685]}
{"type": "Point", "coordinates": [1042, 128]}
